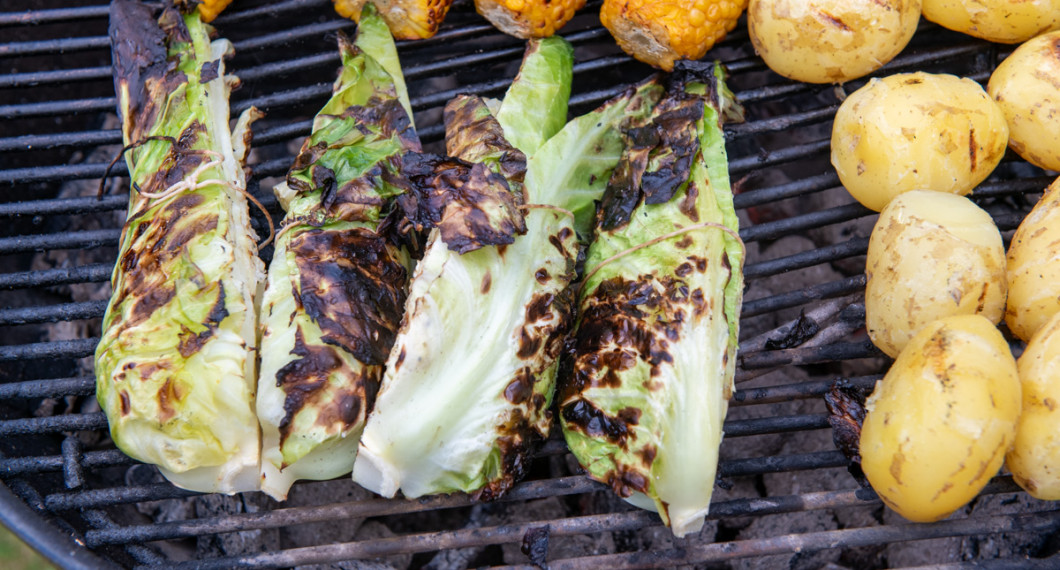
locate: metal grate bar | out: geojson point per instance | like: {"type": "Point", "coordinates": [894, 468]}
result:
{"type": "Point", "coordinates": [23, 176]}
{"type": "Point", "coordinates": [50, 108]}
{"type": "Point", "coordinates": [37, 142]}
{"type": "Point", "coordinates": [52, 313]}
{"type": "Point", "coordinates": [795, 224]}
{"type": "Point", "coordinates": [53, 424]}
{"type": "Point", "coordinates": [808, 355]}
{"type": "Point", "coordinates": [63, 45]}
{"type": "Point", "coordinates": [38, 78]}
{"type": "Point", "coordinates": [15, 466]}
{"type": "Point", "coordinates": [828, 290]}
{"type": "Point", "coordinates": [427, 542]}
{"type": "Point", "coordinates": [34, 17]}
{"type": "Point", "coordinates": [288, 36]}
{"type": "Point", "coordinates": [95, 498]}
{"type": "Point", "coordinates": [779, 156]}
{"type": "Point", "coordinates": [42, 242]}
{"type": "Point", "coordinates": [800, 391]}
{"type": "Point", "coordinates": [269, 9]}
{"type": "Point", "coordinates": [79, 205]}
{"type": "Point", "coordinates": [779, 192]}
{"type": "Point", "coordinates": [78, 348]}
{"type": "Point", "coordinates": [1039, 522]}
{"type": "Point", "coordinates": [810, 258]}
{"type": "Point", "coordinates": [775, 424]}
{"type": "Point", "coordinates": [95, 273]}
{"type": "Point", "coordinates": [781, 123]}
{"type": "Point", "coordinates": [51, 388]}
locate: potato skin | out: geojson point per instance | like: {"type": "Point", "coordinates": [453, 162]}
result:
{"type": "Point", "coordinates": [830, 41]}
{"type": "Point", "coordinates": [1002, 21]}
{"type": "Point", "coordinates": [1034, 458]}
{"type": "Point", "coordinates": [931, 255]}
{"type": "Point", "coordinates": [1033, 269]}
{"type": "Point", "coordinates": [940, 421]}
{"type": "Point", "coordinates": [1026, 87]}
{"type": "Point", "coordinates": [916, 131]}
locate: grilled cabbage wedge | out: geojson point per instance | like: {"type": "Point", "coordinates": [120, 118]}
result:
{"type": "Point", "coordinates": [653, 359]}
{"type": "Point", "coordinates": [175, 367]}
{"type": "Point", "coordinates": [470, 380]}
{"type": "Point", "coordinates": [336, 286]}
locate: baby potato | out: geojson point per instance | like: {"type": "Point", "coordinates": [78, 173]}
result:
{"type": "Point", "coordinates": [940, 421]}
{"type": "Point", "coordinates": [916, 131]}
{"type": "Point", "coordinates": [1027, 88]}
{"type": "Point", "coordinates": [1033, 267]}
{"type": "Point", "coordinates": [1002, 21]}
{"type": "Point", "coordinates": [931, 255]}
{"type": "Point", "coordinates": [1034, 458]}
{"type": "Point", "coordinates": [830, 41]}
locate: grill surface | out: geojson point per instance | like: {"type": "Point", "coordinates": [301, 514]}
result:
{"type": "Point", "coordinates": [783, 494]}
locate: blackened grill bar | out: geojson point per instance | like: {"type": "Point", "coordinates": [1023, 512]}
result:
{"type": "Point", "coordinates": [285, 57]}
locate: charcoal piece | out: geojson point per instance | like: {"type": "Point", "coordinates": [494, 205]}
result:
{"type": "Point", "coordinates": [803, 330]}
{"type": "Point", "coordinates": [846, 414]}
{"type": "Point", "coordinates": [535, 546]}
{"type": "Point", "coordinates": [234, 543]}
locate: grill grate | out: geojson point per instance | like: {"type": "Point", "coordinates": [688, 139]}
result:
{"type": "Point", "coordinates": [73, 496]}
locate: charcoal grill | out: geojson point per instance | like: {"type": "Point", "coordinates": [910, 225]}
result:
{"type": "Point", "coordinates": [784, 497]}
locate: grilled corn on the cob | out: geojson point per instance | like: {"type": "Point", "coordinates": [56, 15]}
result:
{"type": "Point", "coordinates": [658, 32]}
{"type": "Point", "coordinates": [528, 18]}
{"type": "Point", "coordinates": [209, 9]}
{"type": "Point", "coordinates": [407, 19]}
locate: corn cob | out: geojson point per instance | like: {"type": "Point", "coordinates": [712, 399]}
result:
{"type": "Point", "coordinates": [528, 18]}
{"type": "Point", "coordinates": [336, 286]}
{"type": "Point", "coordinates": [660, 32]}
{"type": "Point", "coordinates": [175, 366]}
{"type": "Point", "coordinates": [654, 352]}
{"type": "Point", "coordinates": [407, 19]}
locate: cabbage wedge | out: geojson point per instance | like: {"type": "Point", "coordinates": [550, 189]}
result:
{"type": "Point", "coordinates": [337, 283]}
{"type": "Point", "coordinates": [471, 377]}
{"type": "Point", "coordinates": [176, 364]}
{"type": "Point", "coordinates": [654, 354]}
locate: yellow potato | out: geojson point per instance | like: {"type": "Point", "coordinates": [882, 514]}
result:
{"type": "Point", "coordinates": [916, 131]}
{"type": "Point", "coordinates": [830, 41]}
{"type": "Point", "coordinates": [1003, 21]}
{"type": "Point", "coordinates": [1027, 88]}
{"type": "Point", "coordinates": [931, 255]}
{"type": "Point", "coordinates": [1034, 458]}
{"type": "Point", "coordinates": [1033, 267]}
{"type": "Point", "coordinates": [940, 421]}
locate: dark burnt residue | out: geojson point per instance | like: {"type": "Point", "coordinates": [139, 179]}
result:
{"type": "Point", "coordinates": [190, 342]}
{"type": "Point", "coordinates": [625, 481]}
{"type": "Point", "coordinates": [687, 205]}
{"type": "Point", "coordinates": [304, 382]}
{"type": "Point", "coordinates": [358, 200]}
{"type": "Point", "coordinates": [169, 397]}
{"type": "Point", "coordinates": [846, 414]}
{"type": "Point", "coordinates": [154, 244]}
{"type": "Point", "coordinates": [353, 289]}
{"type": "Point", "coordinates": [521, 389]}
{"type": "Point", "coordinates": [583, 415]}
{"type": "Point", "coordinates": [670, 161]}
{"type": "Point", "coordinates": [514, 450]}
{"type": "Point", "coordinates": [142, 65]}
{"type": "Point", "coordinates": [208, 71]}
{"type": "Point", "coordinates": [657, 159]}
{"type": "Point", "coordinates": [473, 134]}
{"type": "Point", "coordinates": [179, 162]}
{"type": "Point", "coordinates": [126, 406]}
{"type": "Point", "coordinates": [471, 206]}
{"type": "Point", "coordinates": [803, 330]}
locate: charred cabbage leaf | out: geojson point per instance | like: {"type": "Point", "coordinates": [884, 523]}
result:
{"type": "Point", "coordinates": [471, 377]}
{"type": "Point", "coordinates": [654, 353]}
{"type": "Point", "coordinates": [336, 285]}
{"type": "Point", "coordinates": [175, 367]}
